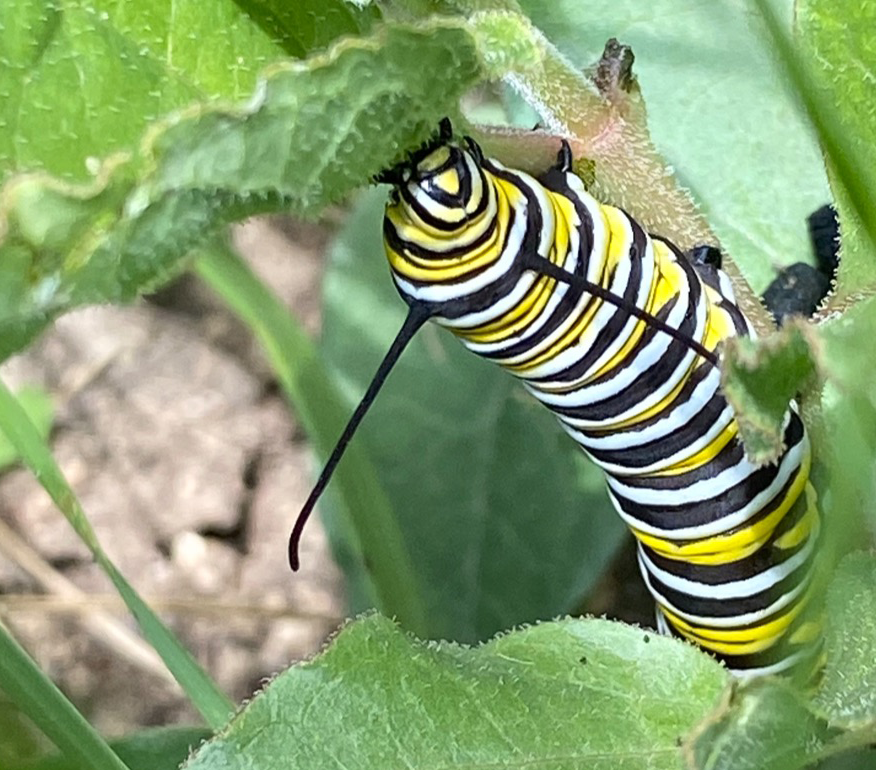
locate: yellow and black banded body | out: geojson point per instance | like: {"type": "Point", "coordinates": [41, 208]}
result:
{"type": "Point", "coordinates": [725, 547]}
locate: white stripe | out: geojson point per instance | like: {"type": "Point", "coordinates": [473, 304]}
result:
{"type": "Point", "coordinates": [726, 287]}
{"type": "Point", "coordinates": [647, 358]}
{"type": "Point", "coordinates": [646, 285]}
{"type": "Point", "coordinates": [606, 423]}
{"type": "Point", "coordinates": [705, 488]}
{"type": "Point", "coordinates": [687, 451]}
{"type": "Point", "coordinates": [724, 523]}
{"type": "Point", "coordinates": [744, 673]}
{"type": "Point", "coordinates": [494, 311]}
{"type": "Point", "coordinates": [618, 285]}
{"type": "Point", "coordinates": [556, 296]}
{"type": "Point", "coordinates": [573, 353]}
{"type": "Point", "coordinates": [776, 668]}
{"type": "Point", "coordinates": [443, 292]}
{"type": "Point", "coordinates": [734, 621]}
{"type": "Point", "coordinates": [680, 415]}
{"type": "Point", "coordinates": [587, 395]}
{"type": "Point", "coordinates": [736, 589]}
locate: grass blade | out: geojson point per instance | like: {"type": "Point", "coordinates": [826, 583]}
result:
{"type": "Point", "coordinates": [38, 697]}
{"type": "Point", "coordinates": [36, 455]}
{"type": "Point", "coordinates": [321, 409]}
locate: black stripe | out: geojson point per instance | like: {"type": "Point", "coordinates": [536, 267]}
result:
{"type": "Point", "coordinates": [649, 380]}
{"type": "Point", "coordinates": [495, 291]}
{"type": "Point", "coordinates": [556, 181]}
{"type": "Point", "coordinates": [727, 608]}
{"type": "Point", "coordinates": [701, 371]}
{"type": "Point", "coordinates": [736, 316]}
{"type": "Point", "coordinates": [669, 444]}
{"type": "Point", "coordinates": [732, 453]}
{"type": "Point", "coordinates": [580, 367]}
{"type": "Point", "coordinates": [609, 333]}
{"type": "Point", "coordinates": [774, 654]}
{"type": "Point", "coordinates": [403, 247]}
{"type": "Point", "coordinates": [762, 559]}
{"type": "Point", "coordinates": [447, 200]}
{"type": "Point", "coordinates": [571, 297]}
{"type": "Point", "coordinates": [713, 509]}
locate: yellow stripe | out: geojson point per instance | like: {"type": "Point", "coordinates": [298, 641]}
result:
{"type": "Point", "coordinates": [705, 455]}
{"type": "Point", "coordinates": [531, 306]}
{"type": "Point", "coordinates": [517, 318]}
{"type": "Point", "coordinates": [726, 548]}
{"type": "Point", "coordinates": [725, 648]}
{"type": "Point", "coordinates": [410, 228]}
{"type": "Point", "coordinates": [808, 632]}
{"type": "Point", "coordinates": [808, 523]}
{"type": "Point", "coordinates": [740, 636]}
{"type": "Point", "coordinates": [435, 159]}
{"type": "Point", "coordinates": [665, 285]}
{"type": "Point", "coordinates": [444, 270]}
{"type": "Point", "coordinates": [617, 249]}
{"type": "Point", "coordinates": [448, 181]}
{"type": "Point", "coordinates": [493, 243]}
{"type": "Point", "coordinates": [651, 411]}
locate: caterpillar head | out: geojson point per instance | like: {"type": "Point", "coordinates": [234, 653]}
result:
{"type": "Point", "coordinates": [440, 191]}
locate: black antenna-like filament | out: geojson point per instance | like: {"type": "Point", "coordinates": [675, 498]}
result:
{"type": "Point", "coordinates": [417, 315]}
{"type": "Point", "coordinates": [546, 267]}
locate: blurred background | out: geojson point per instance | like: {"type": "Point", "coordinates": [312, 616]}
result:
{"type": "Point", "coordinates": [192, 468]}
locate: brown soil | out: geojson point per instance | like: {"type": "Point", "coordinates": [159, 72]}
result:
{"type": "Point", "coordinates": [191, 468]}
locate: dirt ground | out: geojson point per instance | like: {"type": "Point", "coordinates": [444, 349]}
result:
{"type": "Point", "coordinates": [191, 468]}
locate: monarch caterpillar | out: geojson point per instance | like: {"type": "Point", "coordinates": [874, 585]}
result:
{"type": "Point", "coordinates": [617, 332]}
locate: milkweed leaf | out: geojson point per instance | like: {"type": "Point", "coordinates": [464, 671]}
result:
{"type": "Point", "coordinates": [561, 695]}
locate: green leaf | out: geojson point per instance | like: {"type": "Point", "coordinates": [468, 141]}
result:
{"type": "Point", "coordinates": [308, 25]}
{"type": "Point", "coordinates": [20, 739]}
{"type": "Point", "coordinates": [759, 378]}
{"type": "Point", "coordinates": [717, 112]}
{"type": "Point", "coordinates": [37, 404]}
{"type": "Point", "coordinates": [569, 694]}
{"type": "Point", "coordinates": [839, 356]}
{"type": "Point", "coordinates": [848, 422]}
{"type": "Point", "coordinates": [842, 56]}
{"type": "Point", "coordinates": [162, 748]}
{"type": "Point", "coordinates": [81, 80]}
{"type": "Point", "coordinates": [504, 519]}
{"type": "Point", "coordinates": [36, 455]}
{"type": "Point", "coordinates": [847, 692]}
{"type": "Point", "coordinates": [762, 724]}
{"type": "Point", "coordinates": [392, 583]}
{"type": "Point", "coordinates": [102, 71]}
{"type": "Point", "coordinates": [37, 696]}
{"type": "Point", "coordinates": [313, 132]}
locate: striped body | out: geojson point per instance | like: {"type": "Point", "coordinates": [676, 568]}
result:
{"type": "Point", "coordinates": [725, 548]}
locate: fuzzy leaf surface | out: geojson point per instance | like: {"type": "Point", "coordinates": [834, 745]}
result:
{"type": "Point", "coordinates": [762, 724]}
{"type": "Point", "coordinates": [843, 57]}
{"type": "Point", "coordinates": [760, 377]}
{"type": "Point", "coordinates": [561, 695]}
{"type": "Point", "coordinates": [847, 693]}
{"type": "Point", "coordinates": [83, 79]}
